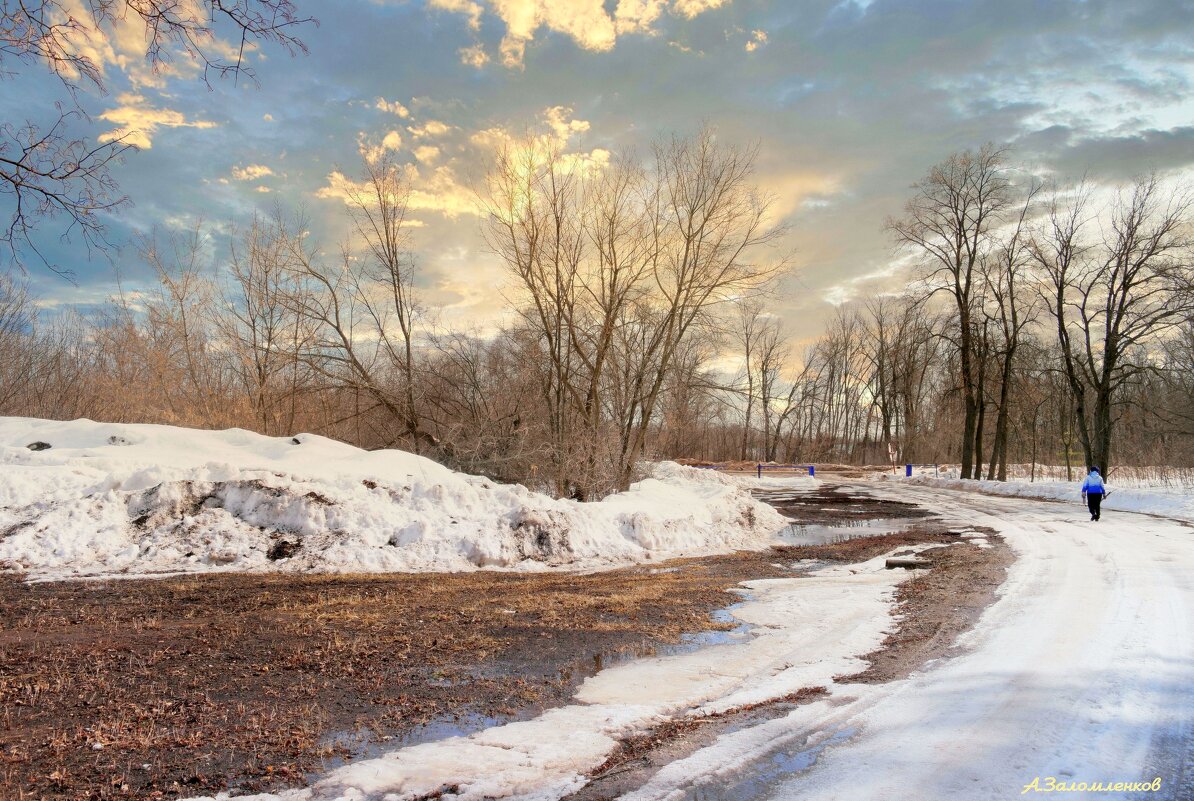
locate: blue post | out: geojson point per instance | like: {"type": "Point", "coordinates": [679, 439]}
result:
{"type": "Point", "coordinates": [760, 467]}
{"type": "Point", "coordinates": [908, 470]}
{"type": "Point", "coordinates": [812, 471]}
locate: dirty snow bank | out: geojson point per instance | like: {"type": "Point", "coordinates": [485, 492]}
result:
{"type": "Point", "coordinates": [1147, 501]}
{"type": "Point", "coordinates": [115, 499]}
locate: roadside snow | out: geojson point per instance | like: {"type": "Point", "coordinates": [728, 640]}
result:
{"type": "Point", "coordinates": [805, 631]}
{"type": "Point", "coordinates": [128, 500]}
{"type": "Point", "coordinates": [1081, 672]}
{"type": "Point", "coordinates": [1167, 503]}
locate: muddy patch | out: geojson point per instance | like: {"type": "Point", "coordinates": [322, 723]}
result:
{"type": "Point", "coordinates": [933, 608]}
{"type": "Point", "coordinates": [186, 686]}
{"type": "Point", "coordinates": [836, 506]}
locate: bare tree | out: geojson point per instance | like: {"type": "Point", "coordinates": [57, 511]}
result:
{"type": "Point", "coordinates": [773, 355]}
{"type": "Point", "coordinates": [747, 331]}
{"type": "Point", "coordinates": [1004, 273]}
{"type": "Point", "coordinates": [1114, 295]}
{"type": "Point", "coordinates": [257, 322]}
{"type": "Point", "coordinates": [949, 221]}
{"type": "Point", "coordinates": [535, 224]}
{"type": "Point", "coordinates": [385, 283]}
{"type": "Point", "coordinates": [710, 222]}
{"type": "Point", "coordinates": [51, 172]}
{"type": "Point", "coordinates": [17, 315]}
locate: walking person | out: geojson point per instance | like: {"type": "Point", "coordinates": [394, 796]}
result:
{"type": "Point", "coordinates": [1093, 491]}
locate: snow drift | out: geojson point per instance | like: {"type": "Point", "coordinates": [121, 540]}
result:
{"type": "Point", "coordinates": [87, 499]}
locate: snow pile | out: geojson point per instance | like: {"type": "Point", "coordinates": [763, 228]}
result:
{"type": "Point", "coordinates": [1147, 501]}
{"type": "Point", "coordinates": [83, 498]}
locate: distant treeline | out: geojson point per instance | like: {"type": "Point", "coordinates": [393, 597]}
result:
{"type": "Point", "coordinates": [1040, 324]}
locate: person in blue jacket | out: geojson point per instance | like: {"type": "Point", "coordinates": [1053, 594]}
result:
{"type": "Point", "coordinates": [1093, 491]}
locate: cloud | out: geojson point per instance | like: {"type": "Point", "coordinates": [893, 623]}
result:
{"type": "Point", "coordinates": [372, 150]}
{"type": "Point", "coordinates": [137, 122]}
{"type": "Point", "coordinates": [757, 40]}
{"type": "Point", "coordinates": [474, 56]}
{"type": "Point", "coordinates": [558, 122]}
{"type": "Point", "coordinates": [470, 9]}
{"type": "Point", "coordinates": [438, 190]}
{"type": "Point", "coordinates": [393, 107]}
{"type": "Point", "coordinates": [436, 181]}
{"type": "Point", "coordinates": [691, 8]}
{"type": "Point", "coordinates": [251, 172]}
{"type": "Point", "coordinates": [638, 16]}
{"type": "Point", "coordinates": [426, 154]}
{"type": "Point", "coordinates": [392, 141]}
{"type": "Point", "coordinates": [120, 40]}
{"type": "Point", "coordinates": [586, 22]}
{"type": "Point", "coordinates": [559, 118]}
{"type": "Point", "coordinates": [1110, 157]}
{"type": "Point", "coordinates": [262, 189]}
{"type": "Point", "coordinates": [429, 129]}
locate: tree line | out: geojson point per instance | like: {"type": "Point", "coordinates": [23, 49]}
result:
{"type": "Point", "coordinates": [1041, 325]}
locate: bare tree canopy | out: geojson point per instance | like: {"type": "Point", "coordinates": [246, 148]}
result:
{"type": "Point", "coordinates": [1116, 291]}
{"type": "Point", "coordinates": [616, 270]}
{"type": "Point", "coordinates": [53, 172]}
{"type": "Point", "coordinates": [950, 222]}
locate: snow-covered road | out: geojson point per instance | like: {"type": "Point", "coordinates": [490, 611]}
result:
{"type": "Point", "coordinates": [1082, 672]}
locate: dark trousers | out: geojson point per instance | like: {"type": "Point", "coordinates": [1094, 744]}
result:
{"type": "Point", "coordinates": [1093, 501]}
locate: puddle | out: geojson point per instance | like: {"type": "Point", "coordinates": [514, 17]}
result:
{"type": "Point", "coordinates": [689, 642]}
{"type": "Point", "coordinates": [763, 778]}
{"type": "Point", "coordinates": [366, 744]}
{"type": "Point", "coordinates": [818, 534]}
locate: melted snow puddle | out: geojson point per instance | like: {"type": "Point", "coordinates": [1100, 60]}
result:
{"type": "Point", "coordinates": [797, 534]}
{"type": "Point", "coordinates": [763, 778]}
{"type": "Point", "coordinates": [366, 744]}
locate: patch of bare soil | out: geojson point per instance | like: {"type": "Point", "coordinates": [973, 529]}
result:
{"type": "Point", "coordinates": [177, 687]}
{"type": "Point", "coordinates": [937, 606]}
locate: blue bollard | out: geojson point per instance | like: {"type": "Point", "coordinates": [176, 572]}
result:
{"type": "Point", "coordinates": [760, 470]}
{"type": "Point", "coordinates": [812, 471]}
{"type": "Point", "coordinates": [908, 470]}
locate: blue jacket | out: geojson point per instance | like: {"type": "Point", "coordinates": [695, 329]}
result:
{"type": "Point", "coordinates": [1093, 485]}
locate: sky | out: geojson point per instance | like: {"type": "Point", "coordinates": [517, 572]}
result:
{"type": "Point", "coordinates": [849, 103]}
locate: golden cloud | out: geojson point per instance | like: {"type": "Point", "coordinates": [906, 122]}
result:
{"type": "Point", "coordinates": [431, 128]}
{"type": "Point", "coordinates": [137, 121]}
{"type": "Point", "coordinates": [439, 191]}
{"type": "Point", "coordinates": [586, 22]}
{"type": "Point", "coordinates": [691, 8]}
{"type": "Point", "coordinates": [426, 154]}
{"type": "Point", "coordinates": [393, 107]}
{"type": "Point", "coordinates": [474, 56]}
{"type": "Point", "coordinates": [470, 9]}
{"type": "Point", "coordinates": [251, 172]}
{"type": "Point", "coordinates": [757, 40]}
